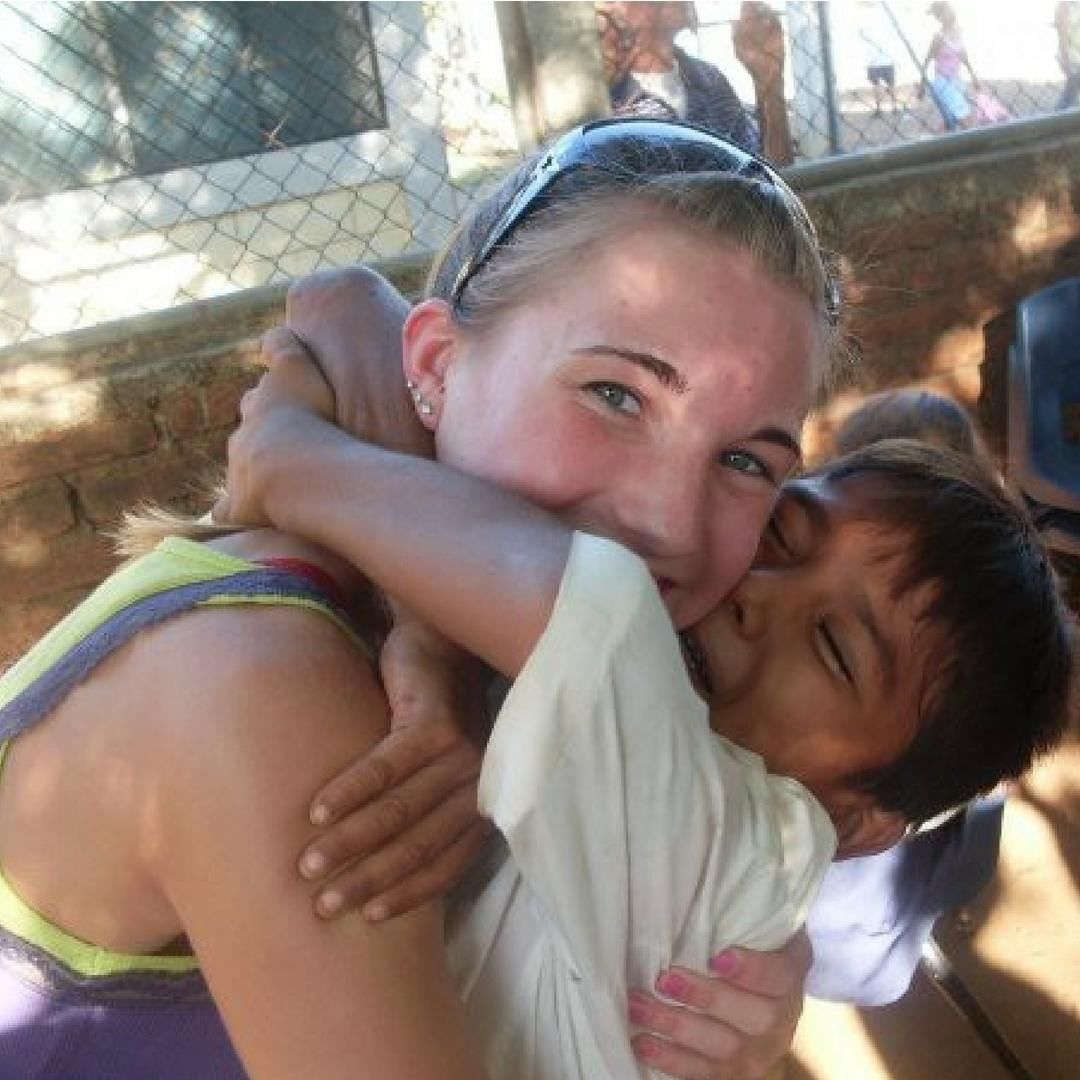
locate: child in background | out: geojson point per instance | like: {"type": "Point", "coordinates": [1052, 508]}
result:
{"type": "Point", "coordinates": [911, 413]}
{"type": "Point", "coordinates": [948, 53]}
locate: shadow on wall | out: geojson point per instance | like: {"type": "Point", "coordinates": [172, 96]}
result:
{"type": "Point", "coordinates": [936, 260]}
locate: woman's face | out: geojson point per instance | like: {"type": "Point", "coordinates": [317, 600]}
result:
{"type": "Point", "coordinates": [653, 394]}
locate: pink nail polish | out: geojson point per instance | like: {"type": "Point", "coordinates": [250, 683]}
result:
{"type": "Point", "coordinates": [376, 912]}
{"type": "Point", "coordinates": [671, 984]}
{"type": "Point", "coordinates": [724, 963]}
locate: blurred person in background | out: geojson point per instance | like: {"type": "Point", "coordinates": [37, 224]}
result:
{"type": "Point", "coordinates": [877, 36]}
{"type": "Point", "coordinates": [647, 73]}
{"type": "Point", "coordinates": [949, 56]}
{"type": "Point", "coordinates": [1067, 24]}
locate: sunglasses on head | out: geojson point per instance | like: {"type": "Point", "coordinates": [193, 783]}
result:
{"type": "Point", "coordinates": [684, 147]}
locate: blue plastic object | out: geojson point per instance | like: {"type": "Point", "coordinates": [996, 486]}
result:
{"type": "Point", "coordinates": [1044, 384]}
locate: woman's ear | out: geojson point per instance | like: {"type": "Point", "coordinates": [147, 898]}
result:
{"type": "Point", "coordinates": [429, 342]}
{"type": "Point", "coordinates": [864, 828]}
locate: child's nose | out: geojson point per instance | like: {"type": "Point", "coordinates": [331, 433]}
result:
{"type": "Point", "coordinates": [750, 608]}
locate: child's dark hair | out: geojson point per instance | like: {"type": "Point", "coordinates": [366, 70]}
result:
{"type": "Point", "coordinates": [910, 413]}
{"type": "Point", "coordinates": [1000, 653]}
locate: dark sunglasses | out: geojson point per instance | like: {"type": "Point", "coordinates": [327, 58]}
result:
{"type": "Point", "coordinates": [685, 148]}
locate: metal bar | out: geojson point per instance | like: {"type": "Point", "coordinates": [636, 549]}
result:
{"type": "Point", "coordinates": [951, 987]}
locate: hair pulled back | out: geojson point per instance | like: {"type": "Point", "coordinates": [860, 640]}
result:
{"type": "Point", "coordinates": [590, 203]}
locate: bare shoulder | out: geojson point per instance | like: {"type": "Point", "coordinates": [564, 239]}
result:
{"type": "Point", "coordinates": [272, 677]}
{"type": "Point", "coordinates": [258, 708]}
{"type": "Point", "coordinates": [270, 543]}
{"type": "Point", "coordinates": [274, 702]}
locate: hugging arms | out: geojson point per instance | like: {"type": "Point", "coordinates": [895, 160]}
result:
{"type": "Point", "coordinates": [621, 397]}
{"type": "Point", "coordinates": [484, 553]}
{"type": "Point", "coordinates": [744, 1011]}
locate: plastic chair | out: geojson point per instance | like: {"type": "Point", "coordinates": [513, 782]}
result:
{"type": "Point", "coordinates": [1044, 384]}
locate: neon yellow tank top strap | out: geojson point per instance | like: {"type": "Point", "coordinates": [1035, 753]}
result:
{"type": "Point", "coordinates": [174, 562]}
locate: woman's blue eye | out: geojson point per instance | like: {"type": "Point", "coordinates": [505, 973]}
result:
{"type": "Point", "coordinates": [617, 397]}
{"type": "Point", "coordinates": [745, 462]}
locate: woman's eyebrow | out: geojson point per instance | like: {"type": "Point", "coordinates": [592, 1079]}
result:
{"type": "Point", "coordinates": [668, 375]}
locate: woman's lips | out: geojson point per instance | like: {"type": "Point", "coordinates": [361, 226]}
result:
{"type": "Point", "coordinates": [664, 584]}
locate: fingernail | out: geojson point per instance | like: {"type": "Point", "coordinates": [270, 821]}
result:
{"type": "Point", "coordinates": [320, 815]}
{"type": "Point", "coordinates": [646, 1048]}
{"type": "Point", "coordinates": [376, 912]}
{"type": "Point", "coordinates": [724, 963]}
{"type": "Point", "coordinates": [639, 1010]}
{"type": "Point", "coordinates": [312, 864]}
{"type": "Point", "coordinates": [329, 903]}
{"type": "Point", "coordinates": [671, 984]}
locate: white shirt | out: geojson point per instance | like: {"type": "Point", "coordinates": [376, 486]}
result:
{"type": "Point", "coordinates": [668, 86]}
{"type": "Point", "coordinates": [638, 838]}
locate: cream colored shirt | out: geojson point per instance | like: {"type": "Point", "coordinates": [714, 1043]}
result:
{"type": "Point", "coordinates": [637, 837]}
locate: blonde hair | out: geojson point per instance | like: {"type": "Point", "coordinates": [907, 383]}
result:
{"type": "Point", "coordinates": [143, 527]}
{"type": "Point", "coordinates": [590, 205]}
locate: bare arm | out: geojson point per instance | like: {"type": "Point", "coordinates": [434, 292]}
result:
{"type": "Point", "coordinates": [403, 816]}
{"type": "Point", "coordinates": [300, 997]}
{"type": "Point", "coordinates": [482, 565]}
{"type": "Point", "coordinates": [350, 320]}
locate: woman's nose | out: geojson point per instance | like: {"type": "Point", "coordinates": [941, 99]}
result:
{"type": "Point", "coordinates": [669, 509]}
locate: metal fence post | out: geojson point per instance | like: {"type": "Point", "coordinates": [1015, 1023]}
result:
{"type": "Point", "coordinates": [828, 76]}
{"type": "Point", "coordinates": [552, 66]}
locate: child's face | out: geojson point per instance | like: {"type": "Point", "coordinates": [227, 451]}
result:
{"type": "Point", "coordinates": [810, 662]}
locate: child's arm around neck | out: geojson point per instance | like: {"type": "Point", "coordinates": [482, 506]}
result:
{"type": "Point", "coordinates": [482, 565]}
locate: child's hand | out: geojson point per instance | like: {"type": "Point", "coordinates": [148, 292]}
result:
{"type": "Point", "coordinates": [351, 319]}
{"type": "Point", "coordinates": [402, 824]}
{"type": "Point", "coordinates": [278, 417]}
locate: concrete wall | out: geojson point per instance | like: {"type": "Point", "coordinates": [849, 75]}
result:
{"type": "Point", "coordinates": [940, 241]}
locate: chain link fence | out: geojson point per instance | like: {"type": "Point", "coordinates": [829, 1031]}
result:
{"type": "Point", "coordinates": [863, 74]}
{"type": "Point", "coordinates": [157, 153]}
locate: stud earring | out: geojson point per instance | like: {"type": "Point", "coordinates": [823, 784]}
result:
{"type": "Point", "coordinates": [423, 407]}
